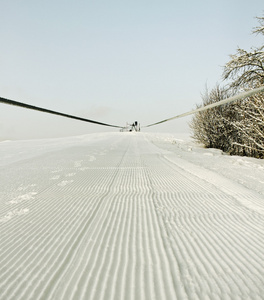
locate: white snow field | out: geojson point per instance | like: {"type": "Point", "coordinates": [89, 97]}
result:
{"type": "Point", "coordinates": [129, 216]}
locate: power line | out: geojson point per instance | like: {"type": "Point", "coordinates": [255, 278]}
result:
{"type": "Point", "coordinates": [225, 101]}
{"type": "Point", "coordinates": [28, 106]}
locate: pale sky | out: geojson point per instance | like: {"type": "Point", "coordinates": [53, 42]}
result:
{"type": "Point", "coordinates": [114, 61]}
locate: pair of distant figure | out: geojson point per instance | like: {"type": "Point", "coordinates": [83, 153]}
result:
{"type": "Point", "coordinates": [135, 126]}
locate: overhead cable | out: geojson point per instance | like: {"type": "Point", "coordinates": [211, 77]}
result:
{"type": "Point", "coordinates": [28, 106]}
{"type": "Point", "coordinates": [225, 101]}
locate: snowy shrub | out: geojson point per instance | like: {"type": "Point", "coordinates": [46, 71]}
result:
{"type": "Point", "coordinates": [249, 127]}
{"type": "Point", "coordinates": [236, 128]}
{"type": "Point", "coordinates": [212, 127]}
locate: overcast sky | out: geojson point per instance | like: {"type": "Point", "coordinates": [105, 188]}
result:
{"type": "Point", "coordinates": [114, 61]}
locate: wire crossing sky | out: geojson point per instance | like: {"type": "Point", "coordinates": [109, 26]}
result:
{"type": "Point", "coordinates": [219, 103]}
{"type": "Point", "coordinates": [114, 61]}
{"type": "Point", "coordinates": [36, 108]}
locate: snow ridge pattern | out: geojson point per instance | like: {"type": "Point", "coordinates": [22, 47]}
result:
{"type": "Point", "coordinates": [129, 216]}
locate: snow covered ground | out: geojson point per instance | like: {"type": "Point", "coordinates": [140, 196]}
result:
{"type": "Point", "coordinates": [129, 216]}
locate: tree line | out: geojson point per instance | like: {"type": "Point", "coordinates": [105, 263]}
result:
{"type": "Point", "coordinates": [238, 127]}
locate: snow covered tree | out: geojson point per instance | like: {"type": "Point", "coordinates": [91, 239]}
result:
{"type": "Point", "coordinates": [246, 69]}
{"type": "Point", "coordinates": [238, 127]}
{"type": "Point", "coordinates": [260, 28]}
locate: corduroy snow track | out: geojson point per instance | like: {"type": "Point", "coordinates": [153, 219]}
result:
{"type": "Point", "coordinates": [118, 217]}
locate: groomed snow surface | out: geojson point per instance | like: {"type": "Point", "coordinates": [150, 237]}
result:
{"type": "Point", "coordinates": [129, 216]}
